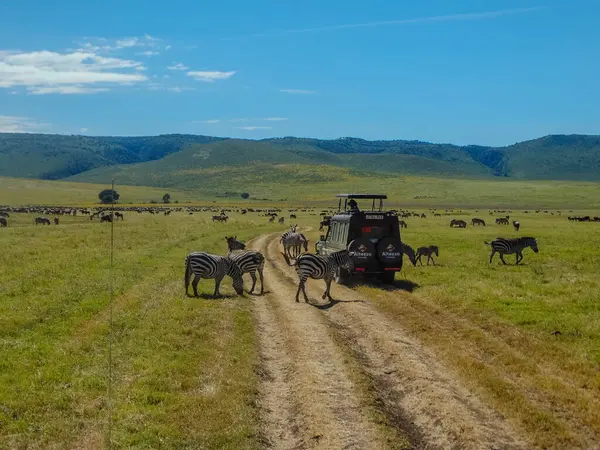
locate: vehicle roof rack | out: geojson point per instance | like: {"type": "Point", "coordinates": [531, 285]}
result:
{"type": "Point", "coordinates": [359, 196]}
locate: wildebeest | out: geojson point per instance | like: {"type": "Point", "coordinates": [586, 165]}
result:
{"type": "Point", "coordinates": [517, 225]}
{"type": "Point", "coordinates": [106, 218]}
{"type": "Point", "coordinates": [402, 224]}
{"type": "Point", "coordinates": [457, 223]}
{"type": "Point", "coordinates": [477, 221]}
{"type": "Point", "coordinates": [119, 215]}
{"type": "Point", "coordinates": [42, 220]}
{"type": "Point", "coordinates": [56, 220]}
{"type": "Point", "coordinates": [502, 221]}
{"type": "Point", "coordinates": [3, 222]}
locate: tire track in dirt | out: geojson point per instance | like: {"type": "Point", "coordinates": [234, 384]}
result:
{"type": "Point", "coordinates": [418, 394]}
{"type": "Point", "coordinates": [306, 396]}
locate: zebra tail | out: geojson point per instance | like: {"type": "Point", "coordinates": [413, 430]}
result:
{"type": "Point", "coordinates": [287, 259]}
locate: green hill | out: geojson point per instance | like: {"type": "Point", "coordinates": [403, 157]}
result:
{"type": "Point", "coordinates": [167, 160]}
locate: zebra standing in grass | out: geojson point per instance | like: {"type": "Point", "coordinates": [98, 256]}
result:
{"type": "Point", "coordinates": [410, 252]}
{"type": "Point", "coordinates": [295, 242]}
{"type": "Point", "coordinates": [429, 252]}
{"type": "Point", "coordinates": [249, 261]}
{"type": "Point", "coordinates": [504, 246]}
{"type": "Point", "coordinates": [320, 267]}
{"type": "Point", "coordinates": [205, 265]}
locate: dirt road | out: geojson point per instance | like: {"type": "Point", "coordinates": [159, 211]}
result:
{"type": "Point", "coordinates": [309, 397]}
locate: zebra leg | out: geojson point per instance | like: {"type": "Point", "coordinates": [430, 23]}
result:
{"type": "Point", "coordinates": [502, 258]}
{"type": "Point", "coordinates": [217, 285]}
{"type": "Point", "coordinates": [492, 255]}
{"type": "Point", "coordinates": [428, 259]}
{"type": "Point", "coordinates": [432, 260]}
{"type": "Point", "coordinates": [253, 275]}
{"type": "Point", "coordinates": [419, 259]}
{"type": "Point", "coordinates": [519, 257]}
{"type": "Point", "coordinates": [303, 284]}
{"type": "Point", "coordinates": [328, 290]}
{"type": "Point", "coordinates": [195, 282]}
{"type": "Point", "coordinates": [262, 280]}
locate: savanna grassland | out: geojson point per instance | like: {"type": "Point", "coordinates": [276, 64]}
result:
{"type": "Point", "coordinates": [187, 372]}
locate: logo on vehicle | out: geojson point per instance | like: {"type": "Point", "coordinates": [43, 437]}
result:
{"type": "Point", "coordinates": [390, 248]}
{"type": "Point", "coordinates": [362, 248]}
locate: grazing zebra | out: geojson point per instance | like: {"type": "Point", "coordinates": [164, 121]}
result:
{"type": "Point", "coordinates": [477, 221]}
{"type": "Point", "coordinates": [56, 220]}
{"type": "Point", "coordinates": [410, 252]}
{"type": "Point", "coordinates": [107, 218]}
{"type": "Point", "coordinates": [205, 265]}
{"type": "Point", "coordinates": [42, 220]}
{"type": "Point", "coordinates": [234, 244]}
{"type": "Point", "coordinates": [517, 225]}
{"type": "Point", "coordinates": [250, 261]}
{"type": "Point", "coordinates": [281, 219]}
{"type": "Point", "coordinates": [3, 222]}
{"type": "Point", "coordinates": [502, 221]}
{"type": "Point", "coordinates": [320, 267]}
{"type": "Point", "coordinates": [119, 215]}
{"type": "Point", "coordinates": [271, 219]}
{"type": "Point", "coordinates": [504, 246]}
{"type": "Point", "coordinates": [429, 252]}
{"type": "Point", "coordinates": [402, 224]}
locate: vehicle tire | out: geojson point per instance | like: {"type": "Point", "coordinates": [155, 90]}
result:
{"type": "Point", "coordinates": [389, 252]}
{"type": "Point", "coordinates": [387, 277]}
{"type": "Point", "coordinates": [342, 276]}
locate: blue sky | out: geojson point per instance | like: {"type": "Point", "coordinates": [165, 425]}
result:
{"type": "Point", "coordinates": [468, 72]}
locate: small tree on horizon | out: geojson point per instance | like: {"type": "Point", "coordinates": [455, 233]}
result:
{"type": "Point", "coordinates": [245, 195]}
{"type": "Point", "coordinates": [108, 196]}
{"type": "Point", "coordinates": [166, 198]}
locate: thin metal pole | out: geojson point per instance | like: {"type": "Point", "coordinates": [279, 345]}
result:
{"type": "Point", "coordinates": [110, 316]}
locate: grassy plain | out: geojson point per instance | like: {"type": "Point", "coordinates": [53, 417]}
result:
{"type": "Point", "coordinates": [526, 338]}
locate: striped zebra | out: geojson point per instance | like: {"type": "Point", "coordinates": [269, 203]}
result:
{"type": "Point", "coordinates": [295, 242]}
{"type": "Point", "coordinates": [429, 252]}
{"type": "Point", "coordinates": [504, 246]}
{"type": "Point", "coordinates": [250, 261]}
{"type": "Point", "coordinates": [205, 265]}
{"type": "Point", "coordinates": [320, 267]}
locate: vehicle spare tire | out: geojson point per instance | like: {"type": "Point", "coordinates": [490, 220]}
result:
{"type": "Point", "coordinates": [363, 252]}
{"type": "Point", "coordinates": [389, 252]}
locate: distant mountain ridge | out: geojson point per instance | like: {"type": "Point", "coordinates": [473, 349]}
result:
{"type": "Point", "coordinates": [155, 158]}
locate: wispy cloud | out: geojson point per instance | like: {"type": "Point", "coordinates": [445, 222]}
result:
{"type": "Point", "coordinates": [178, 66]}
{"type": "Point", "coordinates": [252, 128]}
{"type": "Point", "coordinates": [275, 119]}
{"type": "Point", "coordinates": [148, 53]}
{"type": "Point", "coordinates": [83, 130]}
{"type": "Point", "coordinates": [210, 76]}
{"type": "Point", "coordinates": [207, 121]}
{"type": "Point", "coordinates": [128, 42]}
{"type": "Point", "coordinates": [179, 89]}
{"type": "Point", "coordinates": [17, 124]}
{"type": "Point", "coordinates": [65, 90]}
{"type": "Point", "coordinates": [150, 38]}
{"type": "Point", "coordinates": [298, 91]}
{"type": "Point", "coordinates": [45, 69]}
{"type": "Point", "coordinates": [440, 18]}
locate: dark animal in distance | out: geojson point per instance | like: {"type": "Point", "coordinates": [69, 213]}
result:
{"type": "Point", "coordinates": [3, 222]}
{"type": "Point", "coordinates": [208, 266]}
{"type": "Point", "coordinates": [402, 224]}
{"type": "Point", "coordinates": [320, 267]}
{"type": "Point", "coordinates": [56, 220]}
{"type": "Point", "coordinates": [477, 221]}
{"type": "Point", "coordinates": [429, 252]}
{"type": "Point", "coordinates": [42, 220]}
{"type": "Point", "coordinates": [106, 218]}
{"type": "Point", "coordinates": [517, 225]}
{"type": "Point", "coordinates": [457, 223]}
{"type": "Point", "coordinates": [504, 246]}
{"type": "Point", "coordinates": [502, 221]}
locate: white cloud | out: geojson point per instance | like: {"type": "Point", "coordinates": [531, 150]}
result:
{"type": "Point", "coordinates": [210, 76]}
{"type": "Point", "coordinates": [208, 121]}
{"type": "Point", "coordinates": [51, 69]}
{"type": "Point", "coordinates": [275, 119]}
{"type": "Point", "coordinates": [148, 53]}
{"type": "Point", "coordinates": [16, 124]}
{"type": "Point", "coordinates": [150, 38]}
{"type": "Point", "coordinates": [65, 90]}
{"type": "Point", "coordinates": [178, 66]}
{"type": "Point", "coordinates": [168, 47]}
{"type": "Point", "coordinates": [298, 91]}
{"type": "Point", "coordinates": [252, 128]}
{"type": "Point", "coordinates": [83, 130]}
{"type": "Point", "coordinates": [178, 89]}
{"type": "Point", "coordinates": [128, 42]}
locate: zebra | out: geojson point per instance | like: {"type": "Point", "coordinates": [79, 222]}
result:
{"type": "Point", "coordinates": [402, 224]}
{"type": "Point", "coordinates": [505, 246]}
{"type": "Point", "coordinates": [42, 220]}
{"type": "Point", "coordinates": [281, 219]}
{"type": "Point", "coordinates": [477, 221]}
{"type": "Point", "coordinates": [429, 252]}
{"type": "Point", "coordinates": [250, 261]}
{"type": "Point", "coordinates": [107, 218]}
{"type": "Point", "coordinates": [320, 267]}
{"type": "Point", "coordinates": [206, 265]}
{"type": "Point", "coordinates": [56, 220]}
{"type": "Point", "coordinates": [3, 222]}
{"type": "Point", "coordinates": [517, 225]}
{"type": "Point", "coordinates": [234, 244]}
{"type": "Point", "coordinates": [410, 252]}
{"type": "Point", "coordinates": [295, 241]}
{"type": "Point", "coordinates": [457, 223]}
{"type": "Point", "coordinates": [502, 221]}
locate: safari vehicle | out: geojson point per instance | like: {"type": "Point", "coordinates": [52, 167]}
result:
{"type": "Point", "coordinates": [372, 235]}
